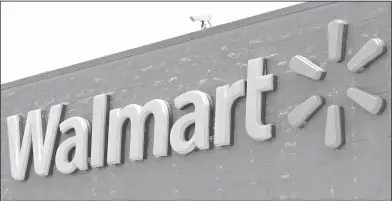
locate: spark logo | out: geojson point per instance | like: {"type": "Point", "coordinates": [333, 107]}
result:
{"type": "Point", "coordinates": [336, 46]}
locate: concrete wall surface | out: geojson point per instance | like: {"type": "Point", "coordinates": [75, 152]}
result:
{"type": "Point", "coordinates": [296, 164]}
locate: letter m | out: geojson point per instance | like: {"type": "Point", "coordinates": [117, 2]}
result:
{"type": "Point", "coordinates": [137, 115]}
{"type": "Point", "coordinates": [33, 134]}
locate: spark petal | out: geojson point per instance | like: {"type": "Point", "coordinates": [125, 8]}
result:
{"type": "Point", "coordinates": [336, 40]}
{"type": "Point", "coordinates": [333, 130]}
{"type": "Point", "coordinates": [370, 51]}
{"type": "Point", "coordinates": [303, 66]}
{"type": "Point", "coordinates": [371, 103]}
{"type": "Point", "coordinates": [305, 111]}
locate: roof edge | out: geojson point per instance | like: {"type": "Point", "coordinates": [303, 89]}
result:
{"type": "Point", "coordinates": [166, 43]}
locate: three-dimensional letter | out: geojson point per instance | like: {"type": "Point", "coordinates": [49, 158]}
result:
{"type": "Point", "coordinates": [42, 151]}
{"type": "Point", "coordinates": [98, 133]}
{"type": "Point", "coordinates": [201, 119]}
{"type": "Point", "coordinates": [138, 116]}
{"type": "Point", "coordinates": [79, 142]}
{"type": "Point", "coordinates": [257, 84]}
{"type": "Point", "coordinates": [225, 97]}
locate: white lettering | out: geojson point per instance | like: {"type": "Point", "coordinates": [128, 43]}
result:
{"type": "Point", "coordinates": [201, 119]}
{"type": "Point", "coordinates": [79, 142]}
{"type": "Point", "coordinates": [257, 84]}
{"type": "Point", "coordinates": [225, 97]}
{"type": "Point", "coordinates": [98, 133]}
{"type": "Point", "coordinates": [33, 133]}
{"type": "Point", "coordinates": [138, 116]}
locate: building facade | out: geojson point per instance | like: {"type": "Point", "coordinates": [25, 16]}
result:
{"type": "Point", "coordinates": [291, 104]}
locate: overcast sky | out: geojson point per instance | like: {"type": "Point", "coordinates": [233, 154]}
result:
{"type": "Point", "coordinates": [44, 36]}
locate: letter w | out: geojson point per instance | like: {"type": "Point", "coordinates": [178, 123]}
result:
{"type": "Point", "coordinates": [33, 133]}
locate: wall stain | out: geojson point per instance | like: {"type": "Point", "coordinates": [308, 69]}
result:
{"type": "Point", "coordinates": [223, 48]}
{"type": "Point", "coordinates": [281, 63]}
{"type": "Point", "coordinates": [271, 55]}
{"type": "Point", "coordinates": [97, 79]}
{"type": "Point", "coordinates": [173, 78]}
{"type": "Point", "coordinates": [185, 59]}
{"type": "Point", "coordinates": [201, 82]}
{"type": "Point", "coordinates": [147, 68]}
{"type": "Point", "coordinates": [241, 65]}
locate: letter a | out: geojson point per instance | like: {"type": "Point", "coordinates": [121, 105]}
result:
{"type": "Point", "coordinates": [82, 128]}
{"type": "Point", "coordinates": [201, 119]}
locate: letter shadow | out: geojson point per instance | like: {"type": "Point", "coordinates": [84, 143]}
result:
{"type": "Point", "coordinates": [343, 126]}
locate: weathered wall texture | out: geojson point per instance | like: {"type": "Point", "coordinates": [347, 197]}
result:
{"type": "Point", "coordinates": [295, 165]}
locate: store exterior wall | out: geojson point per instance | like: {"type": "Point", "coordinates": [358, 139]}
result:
{"type": "Point", "coordinates": [295, 164]}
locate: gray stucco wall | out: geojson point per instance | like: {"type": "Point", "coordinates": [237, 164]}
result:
{"type": "Point", "coordinates": [294, 165]}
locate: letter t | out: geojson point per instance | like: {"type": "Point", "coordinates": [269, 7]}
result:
{"type": "Point", "coordinates": [257, 84]}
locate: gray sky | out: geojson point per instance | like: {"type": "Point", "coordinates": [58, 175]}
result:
{"type": "Point", "coordinates": [44, 36]}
